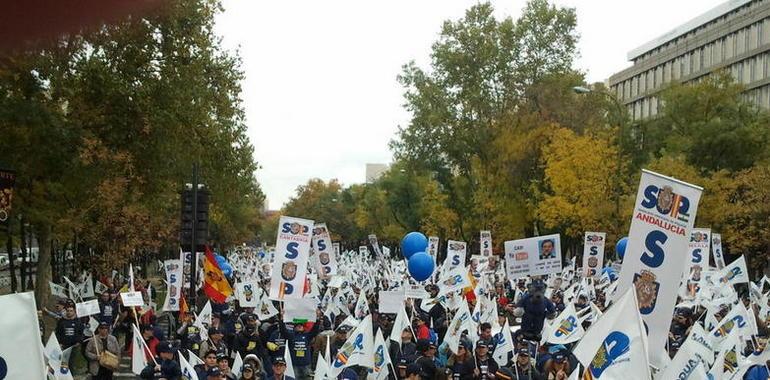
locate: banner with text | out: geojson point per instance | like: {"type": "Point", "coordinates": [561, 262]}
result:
{"type": "Point", "coordinates": [292, 248]}
{"type": "Point", "coordinates": [174, 271]}
{"type": "Point", "coordinates": [455, 254]}
{"type": "Point", "coordinates": [716, 246]}
{"type": "Point", "coordinates": [485, 243]}
{"type": "Point", "coordinates": [655, 257]}
{"type": "Point", "coordinates": [533, 256]}
{"type": "Point", "coordinates": [593, 253]}
{"type": "Point", "coordinates": [324, 248]}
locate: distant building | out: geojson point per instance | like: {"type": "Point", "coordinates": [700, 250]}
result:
{"type": "Point", "coordinates": [734, 36]}
{"type": "Point", "coordinates": [375, 171]}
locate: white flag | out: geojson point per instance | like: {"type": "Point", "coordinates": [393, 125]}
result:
{"type": "Point", "coordinates": [566, 328]}
{"type": "Point", "coordinates": [187, 369]}
{"type": "Point", "coordinates": [21, 355]}
{"type": "Point", "coordinates": [237, 365]}
{"type": "Point", "coordinates": [737, 319]}
{"type": "Point", "coordinates": [615, 347]}
{"type": "Point", "coordinates": [461, 321]}
{"type": "Point", "coordinates": [453, 280]}
{"type": "Point", "coordinates": [362, 306]}
{"type": "Point", "coordinates": [401, 323]}
{"type": "Point", "coordinates": [101, 288]}
{"type": "Point", "coordinates": [321, 368]}
{"type": "Point", "coordinates": [58, 290]}
{"type": "Point", "coordinates": [716, 249]}
{"type": "Point", "coordinates": [697, 351]}
{"type": "Point", "coordinates": [87, 288]}
{"type": "Point", "coordinates": [381, 358]}
{"type": "Point", "coordinates": [203, 321]}
{"type": "Point", "coordinates": [503, 346]}
{"type": "Point", "coordinates": [194, 359]}
{"type": "Point", "coordinates": [138, 352]}
{"type": "Point", "coordinates": [357, 350]}
{"type": "Point", "coordinates": [735, 273]}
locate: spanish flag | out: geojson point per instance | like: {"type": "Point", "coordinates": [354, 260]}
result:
{"type": "Point", "coordinates": [215, 284]}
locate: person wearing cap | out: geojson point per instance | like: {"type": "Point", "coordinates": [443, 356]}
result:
{"type": "Point", "coordinates": [298, 343]}
{"type": "Point", "coordinates": [248, 341]}
{"type": "Point", "coordinates": [279, 370]}
{"type": "Point", "coordinates": [557, 367]}
{"type": "Point", "coordinates": [256, 364]}
{"type": "Point", "coordinates": [215, 342]}
{"type": "Point", "coordinates": [426, 359]}
{"type": "Point", "coordinates": [523, 367]}
{"type": "Point", "coordinates": [248, 373]}
{"type": "Point", "coordinates": [404, 353]}
{"type": "Point", "coordinates": [164, 366]}
{"type": "Point", "coordinates": [485, 365]}
{"type": "Point", "coordinates": [460, 365]}
{"type": "Point", "coordinates": [414, 372]}
{"type": "Point", "coordinates": [101, 343]}
{"type": "Point", "coordinates": [214, 374]}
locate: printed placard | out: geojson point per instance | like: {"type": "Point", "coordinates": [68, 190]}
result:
{"type": "Point", "coordinates": [391, 301]}
{"type": "Point", "coordinates": [593, 253]}
{"type": "Point", "coordinates": [325, 249]}
{"type": "Point", "coordinates": [716, 246]}
{"type": "Point", "coordinates": [132, 298]}
{"type": "Point", "coordinates": [455, 256]}
{"type": "Point", "coordinates": [84, 309]}
{"type": "Point", "coordinates": [485, 243]}
{"type": "Point", "coordinates": [292, 249]}
{"type": "Point", "coordinates": [533, 256]}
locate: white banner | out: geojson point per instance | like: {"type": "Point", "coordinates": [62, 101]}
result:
{"type": "Point", "coordinates": [655, 257]}
{"type": "Point", "coordinates": [391, 301]}
{"type": "Point", "coordinates": [322, 244]}
{"type": "Point", "coordinates": [248, 293]}
{"type": "Point", "coordinates": [593, 253]}
{"type": "Point", "coordinates": [21, 354]}
{"type": "Point", "coordinates": [455, 254]}
{"type": "Point", "coordinates": [84, 309]}
{"type": "Point", "coordinates": [433, 248]}
{"type": "Point", "coordinates": [716, 247]}
{"type": "Point", "coordinates": [301, 310]}
{"type": "Point", "coordinates": [132, 298]}
{"type": "Point", "coordinates": [292, 248]}
{"type": "Point", "coordinates": [174, 271]}
{"type": "Point", "coordinates": [363, 250]}
{"type": "Point", "coordinates": [533, 256]}
{"type": "Point", "coordinates": [697, 249]}
{"type": "Point", "coordinates": [485, 243]}
{"type": "Point", "coordinates": [336, 247]}
{"type": "Point", "coordinates": [415, 291]}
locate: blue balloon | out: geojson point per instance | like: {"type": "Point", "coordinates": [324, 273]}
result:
{"type": "Point", "coordinates": [224, 265]}
{"type": "Point", "coordinates": [420, 266]}
{"type": "Point", "coordinates": [620, 248]}
{"type": "Point", "coordinates": [412, 243]}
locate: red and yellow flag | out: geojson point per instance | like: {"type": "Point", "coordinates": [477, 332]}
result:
{"type": "Point", "coordinates": [215, 284]}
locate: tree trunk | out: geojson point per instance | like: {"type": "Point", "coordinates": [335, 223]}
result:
{"type": "Point", "coordinates": [43, 277]}
{"type": "Point", "coordinates": [24, 260]}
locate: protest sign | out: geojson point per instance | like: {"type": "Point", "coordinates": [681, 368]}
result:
{"type": "Point", "coordinates": [248, 293]}
{"type": "Point", "coordinates": [132, 299]}
{"type": "Point", "coordinates": [433, 247]}
{"type": "Point", "coordinates": [655, 257]}
{"type": "Point", "coordinates": [300, 310]}
{"type": "Point", "coordinates": [485, 243]}
{"type": "Point", "coordinates": [455, 255]}
{"type": "Point", "coordinates": [716, 246]}
{"type": "Point", "coordinates": [174, 270]}
{"type": "Point", "coordinates": [415, 291]}
{"type": "Point", "coordinates": [292, 249]}
{"type": "Point", "coordinates": [697, 248]}
{"type": "Point", "coordinates": [84, 309]}
{"type": "Point", "coordinates": [533, 256]}
{"type": "Point", "coordinates": [391, 301]}
{"type": "Point", "coordinates": [322, 244]}
{"type": "Point", "coordinates": [593, 253]}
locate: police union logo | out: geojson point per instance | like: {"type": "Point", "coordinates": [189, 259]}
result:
{"type": "Point", "coordinates": [666, 202]}
{"type": "Point", "coordinates": [614, 346]}
{"type": "Point", "coordinates": [646, 290]}
{"type": "Point", "coordinates": [566, 327]}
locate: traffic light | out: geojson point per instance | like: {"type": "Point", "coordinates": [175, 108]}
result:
{"type": "Point", "coordinates": [199, 222]}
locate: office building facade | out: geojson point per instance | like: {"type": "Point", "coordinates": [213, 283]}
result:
{"type": "Point", "coordinates": [734, 37]}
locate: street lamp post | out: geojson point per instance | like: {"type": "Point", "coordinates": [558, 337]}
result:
{"type": "Point", "coordinates": [620, 120]}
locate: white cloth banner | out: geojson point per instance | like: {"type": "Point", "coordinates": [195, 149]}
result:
{"type": "Point", "coordinates": [453, 280]}
{"type": "Point", "coordinates": [615, 347]}
{"type": "Point", "coordinates": [381, 358]}
{"type": "Point", "coordinates": [58, 290]}
{"type": "Point", "coordinates": [697, 249]}
{"type": "Point", "coordinates": [533, 256]}
{"type": "Point", "coordinates": [357, 350]}
{"type": "Point", "coordinates": [301, 310]}
{"type": "Point", "coordinates": [21, 354]}
{"type": "Point", "coordinates": [485, 243]}
{"type": "Point", "coordinates": [655, 257]}
{"type": "Point", "coordinates": [593, 253]}
{"type": "Point", "coordinates": [455, 254]}
{"type": "Point", "coordinates": [391, 301]}
{"type": "Point", "coordinates": [565, 329]}
{"type": "Point", "coordinates": [716, 250]}
{"type": "Point", "coordinates": [248, 293]}
{"type": "Point", "coordinates": [292, 249]}
{"type": "Point", "coordinates": [324, 248]}
{"type": "Point", "coordinates": [174, 271]}
{"type": "Point", "coordinates": [84, 309]}
{"type": "Point", "coordinates": [735, 273]}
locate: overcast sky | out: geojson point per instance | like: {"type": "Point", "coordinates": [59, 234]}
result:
{"type": "Point", "coordinates": [321, 94]}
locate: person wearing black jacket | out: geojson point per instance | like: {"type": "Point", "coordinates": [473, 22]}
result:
{"type": "Point", "coordinates": [460, 365]}
{"type": "Point", "coordinates": [524, 370]}
{"type": "Point", "coordinates": [166, 367]}
{"type": "Point", "coordinates": [69, 329]}
{"type": "Point", "coordinates": [486, 366]}
{"type": "Point", "coordinates": [426, 359]}
{"type": "Point", "coordinates": [248, 341]}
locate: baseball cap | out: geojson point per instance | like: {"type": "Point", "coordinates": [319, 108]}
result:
{"type": "Point", "coordinates": [556, 348]}
{"type": "Point", "coordinates": [214, 330]}
{"type": "Point", "coordinates": [559, 357]}
{"type": "Point", "coordinates": [164, 347]}
{"type": "Point", "coordinates": [413, 369]}
{"type": "Point", "coordinates": [214, 371]}
{"type": "Point", "coordinates": [279, 361]}
{"type": "Point", "coordinates": [482, 343]}
{"type": "Point", "coordinates": [247, 367]}
{"type": "Point", "coordinates": [523, 351]}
